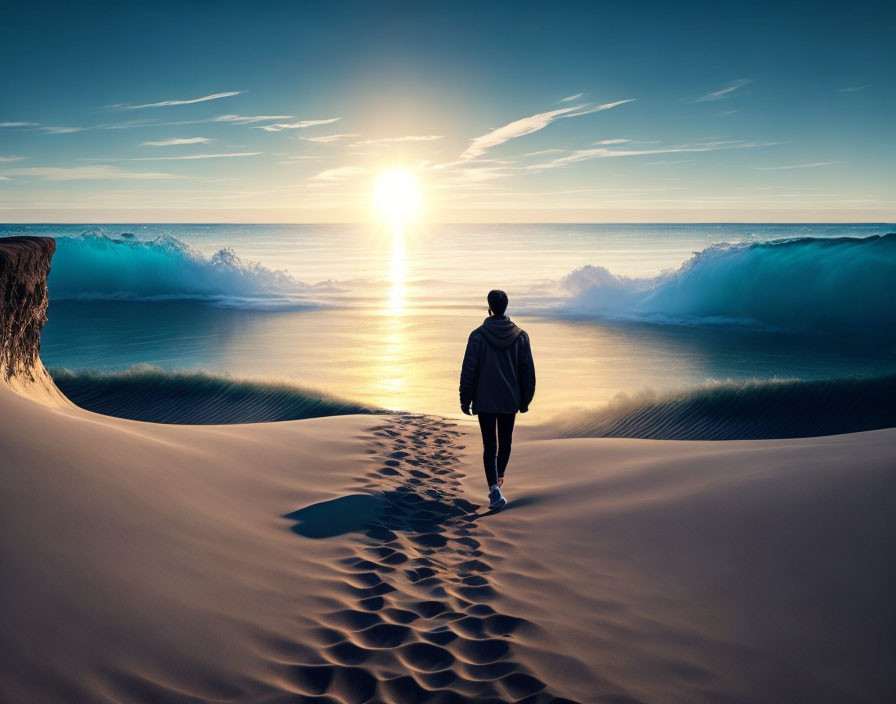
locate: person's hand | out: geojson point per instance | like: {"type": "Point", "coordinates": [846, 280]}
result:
{"type": "Point", "coordinates": [466, 409]}
{"type": "Point", "coordinates": [524, 409]}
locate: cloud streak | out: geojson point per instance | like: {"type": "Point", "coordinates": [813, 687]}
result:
{"type": "Point", "coordinates": [189, 101]}
{"type": "Point", "coordinates": [338, 174]}
{"type": "Point", "coordinates": [176, 141]}
{"type": "Point", "coordinates": [62, 130]}
{"type": "Point", "coordinates": [325, 139]}
{"type": "Point", "coordinates": [19, 124]}
{"type": "Point", "coordinates": [605, 153]}
{"type": "Point", "coordinates": [247, 119]}
{"type": "Point", "coordinates": [280, 126]}
{"type": "Point", "coordinates": [4, 159]}
{"type": "Point", "coordinates": [813, 165]}
{"type": "Point", "coordinates": [570, 98]}
{"type": "Point", "coordinates": [528, 125]}
{"type": "Point", "coordinates": [407, 138]}
{"type": "Point", "coordinates": [723, 93]}
{"type": "Point", "coordinates": [196, 156]}
{"type": "Point", "coordinates": [545, 151]}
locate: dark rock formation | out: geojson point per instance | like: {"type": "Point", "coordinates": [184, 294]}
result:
{"type": "Point", "coordinates": [24, 266]}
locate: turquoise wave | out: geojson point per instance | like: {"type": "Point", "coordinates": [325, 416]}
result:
{"type": "Point", "coordinates": [93, 266]}
{"type": "Point", "coordinates": [845, 286]}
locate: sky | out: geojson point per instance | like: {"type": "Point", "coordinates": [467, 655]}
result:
{"type": "Point", "coordinates": [504, 112]}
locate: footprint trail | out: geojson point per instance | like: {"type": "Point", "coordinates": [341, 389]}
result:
{"type": "Point", "coordinates": [420, 625]}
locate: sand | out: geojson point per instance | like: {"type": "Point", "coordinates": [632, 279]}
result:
{"type": "Point", "coordinates": [349, 559]}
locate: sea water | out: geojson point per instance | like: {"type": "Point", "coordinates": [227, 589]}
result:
{"type": "Point", "coordinates": [381, 316]}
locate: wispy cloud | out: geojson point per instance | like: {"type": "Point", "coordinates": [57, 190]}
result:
{"type": "Point", "coordinates": [588, 109]}
{"type": "Point", "coordinates": [62, 130]}
{"type": "Point", "coordinates": [189, 101]}
{"type": "Point", "coordinates": [329, 138]}
{"type": "Point", "coordinates": [854, 89]}
{"type": "Point", "coordinates": [528, 125]}
{"type": "Point", "coordinates": [338, 174]}
{"type": "Point", "coordinates": [247, 119]}
{"type": "Point", "coordinates": [195, 156]}
{"type": "Point", "coordinates": [3, 178]}
{"type": "Point", "coordinates": [723, 92]}
{"type": "Point", "coordinates": [278, 127]}
{"type": "Point", "coordinates": [407, 138]}
{"type": "Point", "coordinates": [613, 141]}
{"type": "Point", "coordinates": [605, 153]}
{"type": "Point", "coordinates": [176, 141]}
{"type": "Point", "coordinates": [85, 173]}
{"type": "Point", "coordinates": [545, 151]}
{"type": "Point", "coordinates": [479, 174]}
{"type": "Point", "coordinates": [11, 158]}
{"type": "Point", "coordinates": [128, 124]}
{"type": "Point", "coordinates": [568, 98]}
{"type": "Point", "coordinates": [813, 165]}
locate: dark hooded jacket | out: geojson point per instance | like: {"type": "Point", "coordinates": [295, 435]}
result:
{"type": "Point", "coordinates": [498, 375]}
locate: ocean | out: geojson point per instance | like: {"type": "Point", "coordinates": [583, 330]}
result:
{"type": "Point", "coordinates": [364, 317]}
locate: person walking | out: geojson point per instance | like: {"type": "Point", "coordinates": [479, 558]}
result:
{"type": "Point", "coordinates": [497, 380]}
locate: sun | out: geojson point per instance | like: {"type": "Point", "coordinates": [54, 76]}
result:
{"type": "Point", "coordinates": [396, 196]}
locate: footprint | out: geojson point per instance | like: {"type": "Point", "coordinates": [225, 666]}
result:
{"type": "Point", "coordinates": [481, 652]}
{"type": "Point", "coordinates": [519, 685]}
{"type": "Point", "coordinates": [426, 657]}
{"type": "Point", "coordinates": [383, 635]}
{"type": "Point", "coordinates": [347, 653]}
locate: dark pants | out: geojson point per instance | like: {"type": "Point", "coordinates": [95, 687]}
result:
{"type": "Point", "coordinates": [497, 434]}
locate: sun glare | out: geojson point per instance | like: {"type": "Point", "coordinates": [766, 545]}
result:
{"type": "Point", "coordinates": [396, 196]}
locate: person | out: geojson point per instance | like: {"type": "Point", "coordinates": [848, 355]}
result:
{"type": "Point", "coordinates": [497, 379]}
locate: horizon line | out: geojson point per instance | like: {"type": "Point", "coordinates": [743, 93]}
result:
{"type": "Point", "coordinates": [454, 222]}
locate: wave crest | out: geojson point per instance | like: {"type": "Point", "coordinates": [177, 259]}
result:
{"type": "Point", "coordinates": [96, 267]}
{"type": "Point", "coordinates": [843, 285]}
{"type": "Point", "coordinates": [156, 395]}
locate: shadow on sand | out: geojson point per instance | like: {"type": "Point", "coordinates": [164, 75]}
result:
{"type": "Point", "coordinates": [378, 515]}
{"type": "Point", "coordinates": [347, 514]}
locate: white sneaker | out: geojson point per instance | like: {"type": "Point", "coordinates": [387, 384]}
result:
{"type": "Point", "coordinates": [496, 498]}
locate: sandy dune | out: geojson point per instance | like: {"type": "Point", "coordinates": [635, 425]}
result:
{"type": "Point", "coordinates": [348, 560]}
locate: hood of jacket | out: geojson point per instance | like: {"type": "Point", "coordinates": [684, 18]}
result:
{"type": "Point", "coordinates": [500, 331]}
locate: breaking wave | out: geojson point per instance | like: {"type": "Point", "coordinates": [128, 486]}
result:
{"type": "Point", "coordinates": [157, 395]}
{"type": "Point", "coordinates": [97, 267]}
{"type": "Point", "coordinates": [744, 410]}
{"type": "Point", "coordinates": [844, 285]}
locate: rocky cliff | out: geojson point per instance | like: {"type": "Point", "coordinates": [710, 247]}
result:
{"type": "Point", "coordinates": [24, 266]}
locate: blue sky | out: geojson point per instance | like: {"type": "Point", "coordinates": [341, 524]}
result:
{"type": "Point", "coordinates": [286, 112]}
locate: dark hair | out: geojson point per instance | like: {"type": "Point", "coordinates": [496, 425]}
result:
{"type": "Point", "coordinates": [497, 301]}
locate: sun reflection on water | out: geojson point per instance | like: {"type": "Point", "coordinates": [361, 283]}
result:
{"type": "Point", "coordinates": [397, 273]}
{"type": "Point", "coordinates": [394, 357]}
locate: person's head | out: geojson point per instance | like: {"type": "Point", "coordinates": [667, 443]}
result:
{"type": "Point", "coordinates": [497, 302]}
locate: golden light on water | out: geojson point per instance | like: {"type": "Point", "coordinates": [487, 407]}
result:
{"type": "Point", "coordinates": [397, 272]}
{"type": "Point", "coordinates": [397, 201]}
